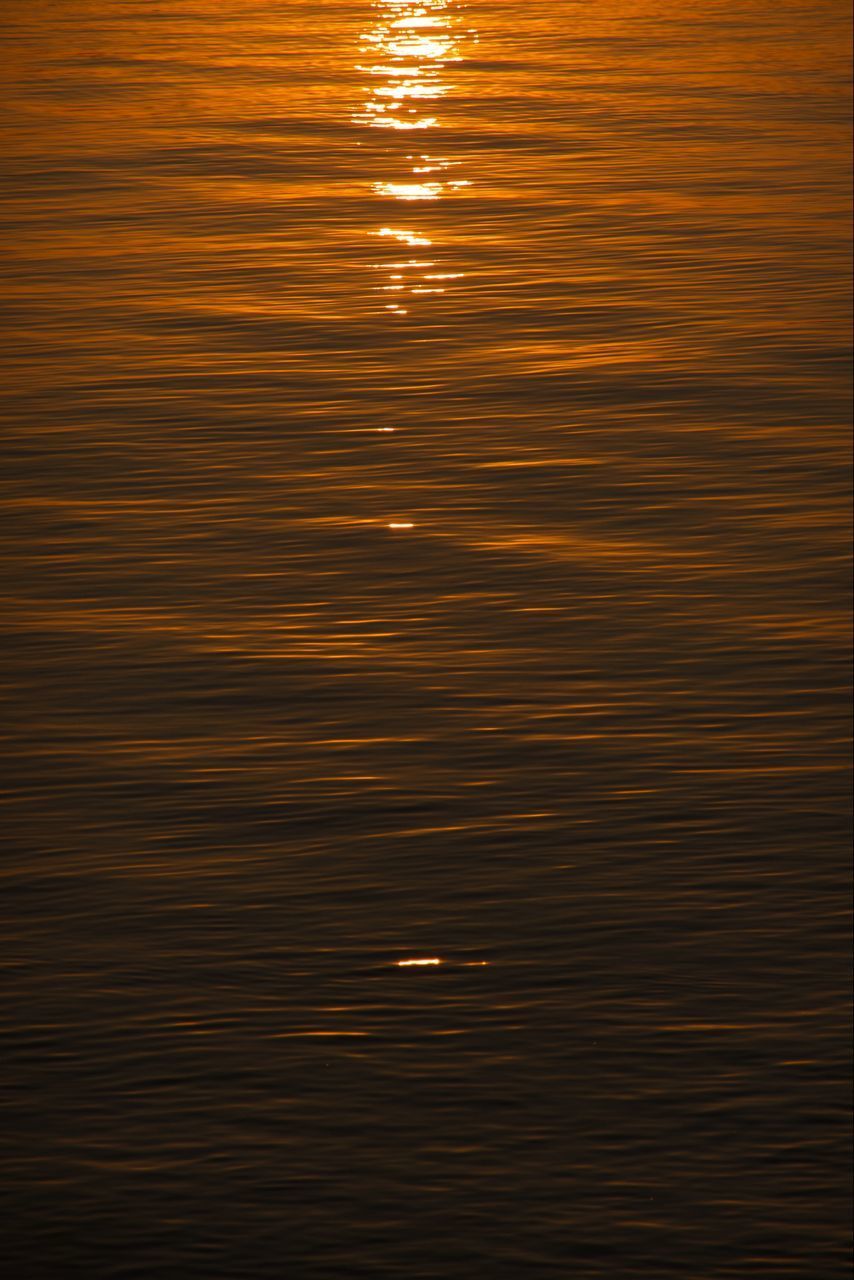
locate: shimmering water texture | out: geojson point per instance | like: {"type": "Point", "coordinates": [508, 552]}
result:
{"type": "Point", "coordinates": [426, 667]}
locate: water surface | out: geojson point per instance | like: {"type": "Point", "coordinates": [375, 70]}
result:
{"type": "Point", "coordinates": [427, 464]}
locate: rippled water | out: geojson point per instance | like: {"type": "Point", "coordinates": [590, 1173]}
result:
{"type": "Point", "coordinates": [426, 455]}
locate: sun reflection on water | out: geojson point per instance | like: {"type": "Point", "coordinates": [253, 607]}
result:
{"type": "Point", "coordinates": [409, 52]}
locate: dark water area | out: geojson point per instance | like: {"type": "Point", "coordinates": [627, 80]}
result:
{"type": "Point", "coordinates": [427, 484]}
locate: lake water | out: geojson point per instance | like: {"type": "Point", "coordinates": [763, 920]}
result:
{"type": "Point", "coordinates": [426, 455]}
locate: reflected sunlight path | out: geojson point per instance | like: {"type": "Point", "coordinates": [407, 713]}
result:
{"type": "Point", "coordinates": [410, 51]}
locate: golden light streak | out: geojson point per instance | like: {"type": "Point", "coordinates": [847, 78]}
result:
{"type": "Point", "coordinates": [406, 237]}
{"type": "Point", "coordinates": [409, 190]}
{"type": "Point", "coordinates": [406, 56]}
